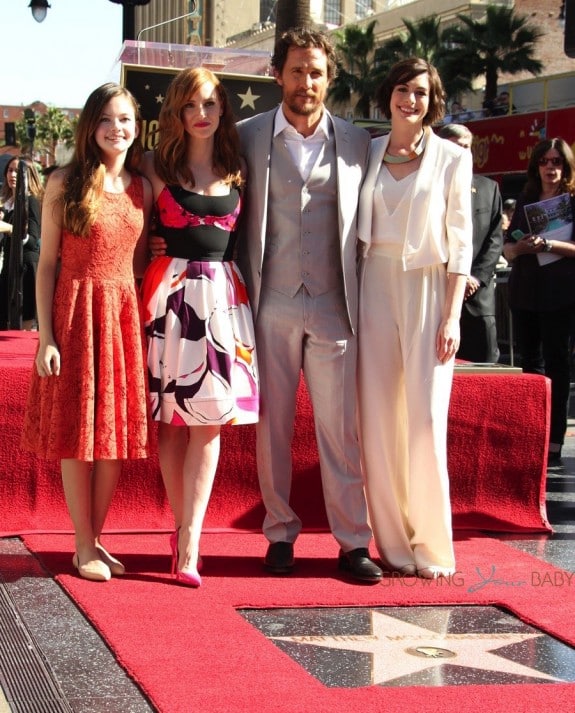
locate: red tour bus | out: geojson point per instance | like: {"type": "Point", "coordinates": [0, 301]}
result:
{"type": "Point", "coordinates": [502, 145]}
{"type": "Point", "coordinates": [542, 108]}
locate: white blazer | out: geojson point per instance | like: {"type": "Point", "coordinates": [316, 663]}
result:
{"type": "Point", "coordinates": [439, 229]}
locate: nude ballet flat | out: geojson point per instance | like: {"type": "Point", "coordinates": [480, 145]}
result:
{"type": "Point", "coordinates": [408, 570]}
{"type": "Point", "coordinates": [114, 565]}
{"type": "Point", "coordinates": [96, 570]}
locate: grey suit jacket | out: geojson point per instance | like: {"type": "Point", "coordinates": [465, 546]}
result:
{"type": "Point", "coordinates": [352, 145]}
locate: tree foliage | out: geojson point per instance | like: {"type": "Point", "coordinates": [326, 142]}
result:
{"type": "Point", "coordinates": [419, 39]}
{"type": "Point", "coordinates": [357, 76]}
{"type": "Point", "coordinates": [52, 128]}
{"type": "Point", "coordinates": [502, 42]}
{"type": "Point", "coordinates": [424, 39]}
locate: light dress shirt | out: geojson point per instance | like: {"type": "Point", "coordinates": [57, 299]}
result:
{"type": "Point", "coordinates": [304, 150]}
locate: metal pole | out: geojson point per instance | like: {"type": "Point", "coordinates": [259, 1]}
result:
{"type": "Point", "coordinates": [128, 22]}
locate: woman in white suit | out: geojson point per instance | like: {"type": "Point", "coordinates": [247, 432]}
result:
{"type": "Point", "coordinates": [416, 232]}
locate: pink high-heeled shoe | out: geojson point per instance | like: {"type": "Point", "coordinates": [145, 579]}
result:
{"type": "Point", "coordinates": [192, 579]}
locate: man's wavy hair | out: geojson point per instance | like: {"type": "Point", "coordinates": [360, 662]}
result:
{"type": "Point", "coordinates": [304, 38]}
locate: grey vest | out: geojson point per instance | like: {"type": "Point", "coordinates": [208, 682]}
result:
{"type": "Point", "coordinates": [302, 237]}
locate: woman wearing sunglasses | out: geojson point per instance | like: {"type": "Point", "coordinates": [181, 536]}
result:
{"type": "Point", "coordinates": [542, 281]}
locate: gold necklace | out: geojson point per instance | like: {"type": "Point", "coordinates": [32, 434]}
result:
{"type": "Point", "coordinates": [411, 156]}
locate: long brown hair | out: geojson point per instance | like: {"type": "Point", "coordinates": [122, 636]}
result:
{"type": "Point", "coordinates": [170, 155]}
{"type": "Point", "coordinates": [35, 185]}
{"type": "Point", "coordinates": [84, 183]}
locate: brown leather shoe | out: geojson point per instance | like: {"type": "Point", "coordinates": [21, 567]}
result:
{"type": "Point", "coordinates": [358, 565]}
{"type": "Point", "coordinates": [279, 558]}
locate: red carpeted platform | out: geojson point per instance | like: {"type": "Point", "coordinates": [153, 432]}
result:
{"type": "Point", "coordinates": [497, 444]}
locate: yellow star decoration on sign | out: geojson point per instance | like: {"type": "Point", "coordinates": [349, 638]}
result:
{"type": "Point", "coordinates": [248, 99]}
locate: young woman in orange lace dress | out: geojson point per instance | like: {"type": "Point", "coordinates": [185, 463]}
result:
{"type": "Point", "coordinates": [87, 404]}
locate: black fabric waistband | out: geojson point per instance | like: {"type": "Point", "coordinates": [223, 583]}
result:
{"type": "Point", "coordinates": [180, 245]}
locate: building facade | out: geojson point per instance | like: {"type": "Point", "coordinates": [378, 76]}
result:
{"type": "Point", "coordinates": [207, 22]}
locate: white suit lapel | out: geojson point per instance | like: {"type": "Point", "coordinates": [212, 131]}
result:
{"type": "Point", "coordinates": [421, 197]}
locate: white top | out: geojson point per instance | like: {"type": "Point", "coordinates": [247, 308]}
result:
{"type": "Point", "coordinates": [391, 204]}
{"type": "Point", "coordinates": [304, 150]}
{"type": "Point", "coordinates": [439, 227]}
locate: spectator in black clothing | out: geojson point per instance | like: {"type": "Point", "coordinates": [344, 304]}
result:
{"type": "Point", "coordinates": [31, 246]}
{"type": "Point", "coordinates": [502, 106]}
{"type": "Point", "coordinates": [477, 323]}
{"type": "Point", "coordinates": [541, 287]}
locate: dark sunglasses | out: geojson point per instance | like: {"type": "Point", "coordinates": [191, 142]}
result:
{"type": "Point", "coordinates": [555, 161]}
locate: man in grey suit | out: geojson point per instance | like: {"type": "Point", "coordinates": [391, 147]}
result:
{"type": "Point", "coordinates": [478, 324]}
{"type": "Point", "coordinates": [297, 253]}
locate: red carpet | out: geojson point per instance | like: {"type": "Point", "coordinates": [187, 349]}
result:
{"type": "Point", "coordinates": [498, 432]}
{"type": "Point", "coordinates": [191, 651]}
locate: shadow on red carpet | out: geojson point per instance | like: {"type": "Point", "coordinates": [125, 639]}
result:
{"type": "Point", "coordinates": [190, 650]}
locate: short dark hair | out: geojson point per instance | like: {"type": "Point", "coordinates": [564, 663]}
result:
{"type": "Point", "coordinates": [533, 186]}
{"type": "Point", "coordinates": [305, 38]}
{"type": "Point", "coordinates": [404, 71]}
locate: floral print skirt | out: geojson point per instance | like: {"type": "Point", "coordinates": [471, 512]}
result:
{"type": "Point", "coordinates": [201, 356]}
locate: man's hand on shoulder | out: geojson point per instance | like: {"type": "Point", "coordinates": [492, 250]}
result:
{"type": "Point", "coordinates": [157, 245]}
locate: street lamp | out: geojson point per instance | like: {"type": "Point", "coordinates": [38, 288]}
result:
{"type": "Point", "coordinates": [128, 16]}
{"type": "Point", "coordinates": [39, 9]}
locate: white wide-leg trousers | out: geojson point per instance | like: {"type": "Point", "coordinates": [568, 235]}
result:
{"type": "Point", "coordinates": [404, 396]}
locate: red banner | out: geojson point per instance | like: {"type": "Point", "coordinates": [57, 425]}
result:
{"type": "Point", "coordinates": [503, 144]}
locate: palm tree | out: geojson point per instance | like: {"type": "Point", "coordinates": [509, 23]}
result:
{"type": "Point", "coordinates": [502, 42]}
{"type": "Point", "coordinates": [424, 39]}
{"type": "Point", "coordinates": [291, 13]}
{"type": "Point", "coordinates": [357, 75]}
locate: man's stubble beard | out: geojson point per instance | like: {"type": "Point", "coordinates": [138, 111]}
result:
{"type": "Point", "coordinates": [306, 110]}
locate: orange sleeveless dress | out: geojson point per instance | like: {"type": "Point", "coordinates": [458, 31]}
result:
{"type": "Point", "coordinates": [97, 408]}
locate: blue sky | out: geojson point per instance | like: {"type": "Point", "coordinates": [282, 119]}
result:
{"type": "Point", "coordinates": [61, 60]}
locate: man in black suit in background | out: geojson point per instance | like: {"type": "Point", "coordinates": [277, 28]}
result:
{"type": "Point", "coordinates": [477, 324]}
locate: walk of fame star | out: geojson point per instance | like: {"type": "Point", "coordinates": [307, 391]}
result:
{"type": "Point", "coordinates": [399, 649]}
